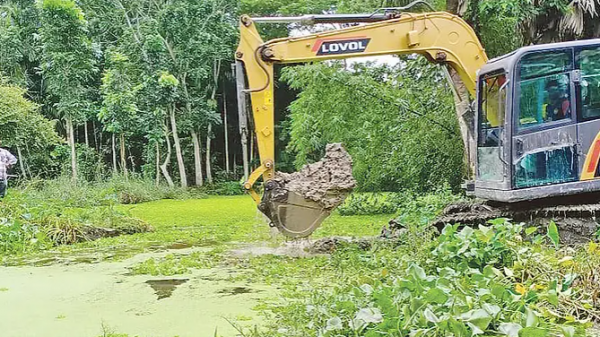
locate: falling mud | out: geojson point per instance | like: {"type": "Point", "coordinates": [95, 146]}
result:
{"type": "Point", "coordinates": [327, 182]}
{"type": "Point", "coordinates": [165, 288]}
{"type": "Point", "coordinates": [305, 248]}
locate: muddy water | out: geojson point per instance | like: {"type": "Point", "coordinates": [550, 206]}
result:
{"type": "Point", "coordinates": [79, 299]}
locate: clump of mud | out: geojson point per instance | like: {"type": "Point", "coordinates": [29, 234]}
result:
{"type": "Point", "coordinates": [327, 182]}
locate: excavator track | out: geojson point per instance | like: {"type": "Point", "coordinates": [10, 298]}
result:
{"type": "Point", "coordinates": [576, 216]}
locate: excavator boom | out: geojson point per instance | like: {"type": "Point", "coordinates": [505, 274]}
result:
{"type": "Point", "coordinates": [439, 36]}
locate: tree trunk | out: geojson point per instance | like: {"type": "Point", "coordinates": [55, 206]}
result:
{"type": "Point", "coordinates": [225, 126]}
{"type": "Point", "coordinates": [85, 130]}
{"type": "Point", "coordinates": [157, 164]}
{"type": "Point", "coordinates": [242, 115]}
{"type": "Point", "coordinates": [21, 162]}
{"type": "Point", "coordinates": [216, 70]}
{"type": "Point", "coordinates": [71, 140]}
{"type": "Point", "coordinates": [95, 137]}
{"type": "Point", "coordinates": [465, 117]}
{"type": "Point", "coordinates": [177, 142]}
{"type": "Point", "coordinates": [27, 167]}
{"type": "Point", "coordinates": [165, 164]}
{"type": "Point", "coordinates": [197, 158]}
{"type": "Point", "coordinates": [123, 155]}
{"type": "Point", "coordinates": [235, 176]}
{"type": "Point", "coordinates": [114, 154]}
{"type": "Point", "coordinates": [209, 178]}
{"type": "Point", "coordinates": [458, 7]}
{"type": "Point", "coordinates": [131, 159]}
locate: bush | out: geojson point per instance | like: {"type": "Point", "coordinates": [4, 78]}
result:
{"type": "Point", "coordinates": [18, 236]}
{"type": "Point", "coordinates": [44, 213]}
{"type": "Point", "coordinates": [393, 147]}
{"type": "Point", "coordinates": [466, 282]}
{"type": "Point", "coordinates": [410, 207]}
{"type": "Point", "coordinates": [371, 203]}
{"type": "Point", "coordinates": [115, 190]}
{"type": "Point", "coordinates": [223, 188]}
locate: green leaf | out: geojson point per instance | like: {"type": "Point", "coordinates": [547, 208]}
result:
{"type": "Point", "coordinates": [457, 328]}
{"type": "Point", "coordinates": [416, 271]}
{"type": "Point", "coordinates": [533, 332]}
{"type": "Point", "coordinates": [418, 333]}
{"type": "Point", "coordinates": [430, 316]}
{"type": "Point", "coordinates": [568, 281]}
{"type": "Point", "coordinates": [334, 323]}
{"type": "Point", "coordinates": [478, 317]}
{"type": "Point", "coordinates": [531, 230]}
{"type": "Point", "coordinates": [553, 234]}
{"type": "Point", "coordinates": [510, 329]}
{"type": "Point", "coordinates": [552, 297]}
{"type": "Point", "coordinates": [568, 331]}
{"type": "Point", "coordinates": [492, 309]}
{"type": "Point", "coordinates": [475, 330]}
{"type": "Point", "coordinates": [531, 319]}
{"type": "Point", "coordinates": [436, 295]}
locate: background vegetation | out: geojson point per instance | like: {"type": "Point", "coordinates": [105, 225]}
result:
{"type": "Point", "coordinates": [144, 87]}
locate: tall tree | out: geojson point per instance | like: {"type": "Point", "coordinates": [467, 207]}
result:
{"type": "Point", "coordinates": [119, 108]}
{"type": "Point", "coordinates": [68, 64]}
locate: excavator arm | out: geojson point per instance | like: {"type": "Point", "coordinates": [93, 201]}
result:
{"type": "Point", "coordinates": [439, 36]}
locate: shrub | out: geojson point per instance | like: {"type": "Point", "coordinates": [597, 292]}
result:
{"type": "Point", "coordinates": [115, 190]}
{"type": "Point", "coordinates": [223, 188]}
{"type": "Point", "coordinates": [466, 282]}
{"type": "Point", "coordinates": [410, 207]}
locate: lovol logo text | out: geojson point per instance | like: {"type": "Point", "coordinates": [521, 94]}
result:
{"type": "Point", "coordinates": [349, 45]}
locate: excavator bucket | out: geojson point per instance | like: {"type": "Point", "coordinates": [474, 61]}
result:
{"type": "Point", "coordinates": [299, 202]}
{"type": "Point", "coordinates": [292, 214]}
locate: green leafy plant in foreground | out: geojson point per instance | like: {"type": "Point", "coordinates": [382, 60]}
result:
{"type": "Point", "coordinates": [473, 282]}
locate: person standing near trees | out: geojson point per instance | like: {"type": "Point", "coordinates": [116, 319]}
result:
{"type": "Point", "coordinates": [6, 161]}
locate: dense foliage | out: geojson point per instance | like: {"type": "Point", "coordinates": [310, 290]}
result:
{"type": "Point", "coordinates": [397, 123]}
{"type": "Point", "coordinates": [465, 282]}
{"type": "Point", "coordinates": [145, 85]}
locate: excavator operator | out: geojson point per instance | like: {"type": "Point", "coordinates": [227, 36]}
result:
{"type": "Point", "coordinates": [559, 106]}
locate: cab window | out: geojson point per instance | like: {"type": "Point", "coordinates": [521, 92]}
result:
{"type": "Point", "coordinates": [491, 110]}
{"type": "Point", "coordinates": [544, 88]}
{"type": "Point", "coordinates": [492, 103]}
{"type": "Point", "coordinates": [588, 62]}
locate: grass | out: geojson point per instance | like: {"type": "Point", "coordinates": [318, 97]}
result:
{"type": "Point", "coordinates": [211, 222]}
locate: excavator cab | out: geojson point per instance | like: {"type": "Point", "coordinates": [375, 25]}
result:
{"type": "Point", "coordinates": [538, 123]}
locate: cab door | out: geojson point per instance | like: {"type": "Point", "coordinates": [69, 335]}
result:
{"type": "Point", "coordinates": [545, 142]}
{"type": "Point", "coordinates": [492, 169]}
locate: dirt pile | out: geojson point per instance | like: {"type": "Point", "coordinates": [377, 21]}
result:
{"type": "Point", "coordinates": [327, 182]}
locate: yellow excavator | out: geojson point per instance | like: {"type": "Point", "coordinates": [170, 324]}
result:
{"type": "Point", "coordinates": [530, 120]}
